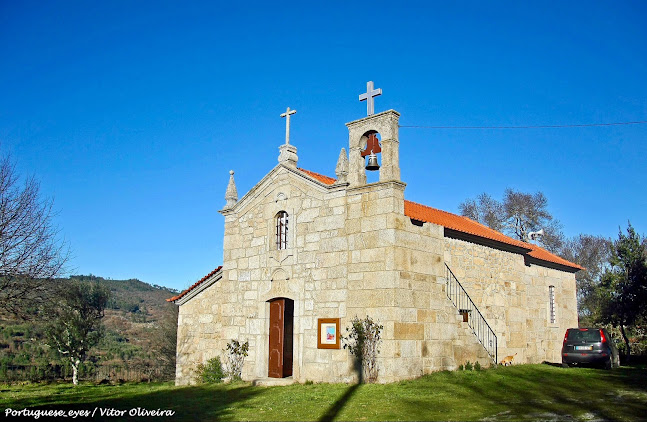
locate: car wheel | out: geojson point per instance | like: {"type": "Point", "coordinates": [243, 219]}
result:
{"type": "Point", "coordinates": [607, 364]}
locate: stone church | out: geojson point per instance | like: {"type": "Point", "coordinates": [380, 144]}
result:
{"type": "Point", "coordinates": [304, 253]}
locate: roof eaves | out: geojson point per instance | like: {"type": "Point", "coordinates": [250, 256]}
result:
{"type": "Point", "coordinates": [197, 287]}
{"type": "Point", "coordinates": [485, 241]}
{"type": "Point", "coordinates": [572, 268]}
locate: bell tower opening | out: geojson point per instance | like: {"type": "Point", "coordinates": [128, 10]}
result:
{"type": "Point", "coordinates": [378, 131]}
{"type": "Point", "coordinates": [371, 151]}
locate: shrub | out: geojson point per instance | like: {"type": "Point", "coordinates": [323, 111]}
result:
{"type": "Point", "coordinates": [362, 341]}
{"type": "Point", "coordinates": [236, 353]}
{"type": "Point", "coordinates": [211, 372]}
{"type": "Point", "coordinates": [477, 366]}
{"type": "Point", "coordinates": [468, 366]}
{"type": "Point", "coordinates": [461, 368]}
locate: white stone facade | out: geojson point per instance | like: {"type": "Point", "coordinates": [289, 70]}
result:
{"type": "Point", "coordinates": [352, 251]}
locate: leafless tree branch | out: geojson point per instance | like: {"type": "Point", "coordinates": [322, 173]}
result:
{"type": "Point", "coordinates": [31, 253]}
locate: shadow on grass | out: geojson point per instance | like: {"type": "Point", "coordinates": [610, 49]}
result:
{"type": "Point", "coordinates": [337, 407]}
{"type": "Point", "coordinates": [195, 403]}
{"type": "Point", "coordinates": [526, 392]}
{"type": "Point", "coordinates": [532, 394]}
{"type": "Point", "coordinates": [340, 403]}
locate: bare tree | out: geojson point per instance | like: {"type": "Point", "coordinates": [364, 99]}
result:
{"type": "Point", "coordinates": [517, 215]}
{"type": "Point", "coordinates": [484, 209]}
{"type": "Point", "coordinates": [164, 342]}
{"type": "Point", "coordinates": [30, 251]}
{"type": "Point", "coordinates": [525, 212]}
{"type": "Point", "coordinates": [592, 253]}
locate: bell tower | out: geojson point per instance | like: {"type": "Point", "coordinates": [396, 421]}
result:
{"type": "Point", "coordinates": [362, 140]}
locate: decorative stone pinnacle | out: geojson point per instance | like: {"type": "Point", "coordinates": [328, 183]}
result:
{"type": "Point", "coordinates": [342, 166]}
{"type": "Point", "coordinates": [288, 155]}
{"type": "Point", "coordinates": [231, 195]}
{"type": "Point", "coordinates": [287, 114]}
{"type": "Point", "coordinates": [369, 97]}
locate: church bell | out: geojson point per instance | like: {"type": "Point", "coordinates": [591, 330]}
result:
{"type": "Point", "coordinates": [372, 162]}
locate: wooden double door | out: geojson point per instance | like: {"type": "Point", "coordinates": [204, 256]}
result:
{"type": "Point", "coordinates": [281, 337]}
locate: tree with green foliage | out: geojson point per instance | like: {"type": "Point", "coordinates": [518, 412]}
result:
{"type": "Point", "coordinates": [74, 325]}
{"type": "Point", "coordinates": [623, 288]}
{"type": "Point", "coordinates": [211, 372]}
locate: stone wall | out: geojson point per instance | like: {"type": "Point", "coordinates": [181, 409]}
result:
{"type": "Point", "coordinates": [514, 298]}
{"type": "Point", "coordinates": [430, 328]}
{"type": "Point", "coordinates": [201, 333]}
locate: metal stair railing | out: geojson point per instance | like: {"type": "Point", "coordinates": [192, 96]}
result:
{"type": "Point", "coordinates": [475, 320]}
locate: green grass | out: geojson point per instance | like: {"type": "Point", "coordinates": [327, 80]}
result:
{"type": "Point", "coordinates": [523, 392]}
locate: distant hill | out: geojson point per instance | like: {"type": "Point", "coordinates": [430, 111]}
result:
{"type": "Point", "coordinates": [137, 318]}
{"type": "Point", "coordinates": [134, 296]}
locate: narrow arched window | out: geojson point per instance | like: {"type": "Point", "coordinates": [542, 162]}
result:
{"type": "Point", "coordinates": [282, 230]}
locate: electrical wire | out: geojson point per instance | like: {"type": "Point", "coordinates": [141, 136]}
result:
{"type": "Point", "coordinates": [527, 127]}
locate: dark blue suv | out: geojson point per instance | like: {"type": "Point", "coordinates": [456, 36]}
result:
{"type": "Point", "coordinates": [591, 346]}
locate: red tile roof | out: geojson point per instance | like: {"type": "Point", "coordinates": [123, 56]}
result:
{"type": "Point", "coordinates": [320, 177]}
{"type": "Point", "coordinates": [457, 222]}
{"type": "Point", "coordinates": [464, 225]}
{"type": "Point", "coordinates": [202, 280]}
{"type": "Point", "coordinates": [542, 254]}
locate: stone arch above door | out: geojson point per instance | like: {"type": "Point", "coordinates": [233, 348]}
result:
{"type": "Point", "coordinates": [279, 285]}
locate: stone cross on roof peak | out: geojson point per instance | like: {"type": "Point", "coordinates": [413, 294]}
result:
{"type": "Point", "coordinates": [369, 97]}
{"type": "Point", "coordinates": [287, 114]}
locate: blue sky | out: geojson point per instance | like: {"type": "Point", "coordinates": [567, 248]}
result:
{"type": "Point", "coordinates": [131, 114]}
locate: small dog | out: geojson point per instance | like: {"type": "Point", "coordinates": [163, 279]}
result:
{"type": "Point", "coordinates": [507, 360]}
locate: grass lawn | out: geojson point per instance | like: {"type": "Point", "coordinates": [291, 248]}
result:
{"type": "Point", "coordinates": [523, 392]}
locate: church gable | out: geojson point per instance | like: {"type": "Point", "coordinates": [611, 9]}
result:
{"type": "Point", "coordinates": [279, 175]}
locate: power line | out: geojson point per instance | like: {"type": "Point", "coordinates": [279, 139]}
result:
{"type": "Point", "coordinates": [526, 127]}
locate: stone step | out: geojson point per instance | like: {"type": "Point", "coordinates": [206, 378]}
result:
{"type": "Point", "coordinates": [272, 382]}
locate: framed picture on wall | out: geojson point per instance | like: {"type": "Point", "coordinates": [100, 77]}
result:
{"type": "Point", "coordinates": [328, 333]}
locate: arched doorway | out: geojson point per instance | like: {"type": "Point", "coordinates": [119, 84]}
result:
{"type": "Point", "coordinates": [281, 337]}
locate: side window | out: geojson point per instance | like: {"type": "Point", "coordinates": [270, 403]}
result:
{"type": "Point", "coordinates": [551, 298]}
{"type": "Point", "coordinates": [282, 230]}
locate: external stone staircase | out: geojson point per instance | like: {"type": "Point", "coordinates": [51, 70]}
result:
{"type": "Point", "coordinates": [471, 315]}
